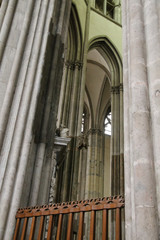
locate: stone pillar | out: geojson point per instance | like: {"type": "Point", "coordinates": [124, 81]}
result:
{"type": "Point", "coordinates": [94, 172]}
{"type": "Point", "coordinates": [152, 36]}
{"type": "Point", "coordinates": [37, 174]}
{"type": "Point", "coordinates": [82, 173]}
{"type": "Point", "coordinates": [83, 79]}
{"type": "Point", "coordinates": [62, 95]}
{"type": "Point", "coordinates": [15, 162]}
{"type": "Point", "coordinates": [140, 184]}
{"type": "Point", "coordinates": [12, 81]}
{"type": "Point", "coordinates": [121, 137]}
{"type": "Point", "coordinates": [67, 175]}
{"type": "Point", "coordinates": [29, 36]}
{"type": "Point", "coordinates": [75, 98]}
{"type": "Point", "coordinates": [67, 93]}
{"type": "Point", "coordinates": [117, 180]}
{"type": "Point", "coordinates": [3, 10]}
{"type": "Point", "coordinates": [105, 7]}
{"type": "Point", "coordinates": [6, 17]}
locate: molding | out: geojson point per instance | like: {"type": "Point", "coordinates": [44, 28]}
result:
{"type": "Point", "coordinates": [93, 131]}
{"type": "Point", "coordinates": [78, 64]}
{"type": "Point", "coordinates": [61, 141]}
{"type": "Point", "coordinates": [121, 87]}
{"type": "Point", "coordinates": [72, 65]}
{"type": "Point", "coordinates": [117, 89]}
{"type": "Point", "coordinates": [77, 206]}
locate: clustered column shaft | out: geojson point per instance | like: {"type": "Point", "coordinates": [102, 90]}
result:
{"type": "Point", "coordinates": [17, 123]}
{"type": "Point", "coordinates": [139, 148]}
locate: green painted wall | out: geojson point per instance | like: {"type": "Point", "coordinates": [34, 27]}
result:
{"type": "Point", "coordinates": [100, 26]}
{"type": "Point", "coordinates": [81, 9]}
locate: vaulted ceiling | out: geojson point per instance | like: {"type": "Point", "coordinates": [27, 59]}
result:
{"type": "Point", "coordinates": [97, 95]}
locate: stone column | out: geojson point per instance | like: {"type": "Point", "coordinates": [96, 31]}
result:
{"type": "Point", "coordinates": [7, 12]}
{"type": "Point", "coordinates": [75, 98]}
{"type": "Point", "coordinates": [3, 10]}
{"type": "Point", "coordinates": [116, 165]}
{"type": "Point", "coordinates": [21, 98]}
{"type": "Point", "coordinates": [82, 173]}
{"type": "Point", "coordinates": [83, 79]}
{"type": "Point", "coordinates": [152, 36]}
{"type": "Point", "coordinates": [67, 93]}
{"type": "Point", "coordinates": [62, 95]}
{"type": "Point", "coordinates": [37, 174]}
{"type": "Point", "coordinates": [67, 175]}
{"type": "Point", "coordinates": [140, 185]}
{"type": "Point", "coordinates": [94, 172]}
{"type": "Point", "coordinates": [121, 139]}
{"type": "Point", "coordinates": [105, 7]}
{"type": "Point", "coordinates": [16, 164]}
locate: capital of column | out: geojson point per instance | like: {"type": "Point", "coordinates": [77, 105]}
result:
{"type": "Point", "coordinates": [78, 64]}
{"type": "Point", "coordinates": [117, 89]}
{"type": "Point", "coordinates": [70, 65]}
{"type": "Point", "coordinates": [94, 131]}
{"type": "Point", "coordinates": [121, 87]}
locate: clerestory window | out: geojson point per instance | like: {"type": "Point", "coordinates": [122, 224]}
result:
{"type": "Point", "coordinates": [106, 7]}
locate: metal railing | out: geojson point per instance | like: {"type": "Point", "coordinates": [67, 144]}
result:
{"type": "Point", "coordinates": [32, 214]}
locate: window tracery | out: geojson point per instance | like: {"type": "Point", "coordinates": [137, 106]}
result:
{"type": "Point", "coordinates": [107, 122]}
{"type": "Point", "coordinates": [107, 7]}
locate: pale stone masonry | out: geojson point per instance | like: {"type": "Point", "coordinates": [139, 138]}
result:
{"type": "Point", "coordinates": [141, 42]}
{"type": "Point", "coordinates": [60, 59]}
{"type": "Point", "coordinates": [26, 28]}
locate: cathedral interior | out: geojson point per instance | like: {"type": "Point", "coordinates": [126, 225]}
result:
{"type": "Point", "coordinates": [79, 122]}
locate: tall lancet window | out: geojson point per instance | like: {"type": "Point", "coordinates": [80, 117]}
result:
{"type": "Point", "coordinates": [107, 122]}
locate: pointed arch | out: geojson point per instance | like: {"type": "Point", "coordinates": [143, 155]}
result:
{"type": "Point", "coordinates": [74, 43]}
{"type": "Point", "coordinates": [110, 54]}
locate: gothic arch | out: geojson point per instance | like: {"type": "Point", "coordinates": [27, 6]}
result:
{"type": "Point", "coordinates": [114, 62]}
{"type": "Point", "coordinates": [73, 63]}
{"type": "Point", "coordinates": [109, 52]}
{"type": "Point", "coordinates": [74, 42]}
